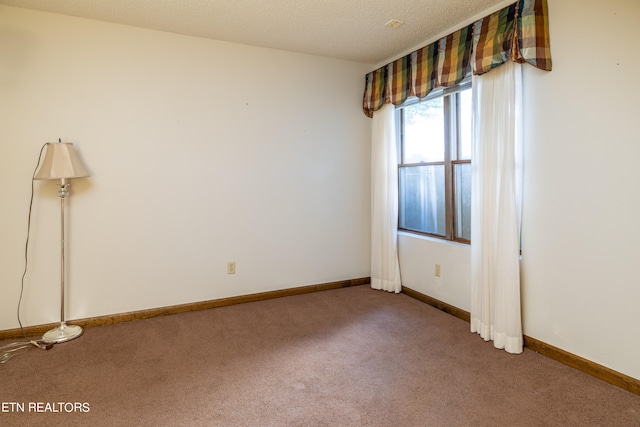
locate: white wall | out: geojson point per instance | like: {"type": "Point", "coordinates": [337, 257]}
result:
{"type": "Point", "coordinates": [581, 286]}
{"type": "Point", "coordinates": [418, 257]}
{"type": "Point", "coordinates": [201, 152]}
{"type": "Point", "coordinates": [580, 275]}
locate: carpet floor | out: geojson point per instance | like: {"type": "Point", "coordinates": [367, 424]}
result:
{"type": "Point", "coordinates": [344, 357]}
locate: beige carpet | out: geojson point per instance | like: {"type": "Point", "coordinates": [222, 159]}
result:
{"type": "Point", "coordinates": [345, 357]}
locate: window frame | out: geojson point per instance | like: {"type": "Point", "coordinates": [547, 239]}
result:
{"type": "Point", "coordinates": [452, 154]}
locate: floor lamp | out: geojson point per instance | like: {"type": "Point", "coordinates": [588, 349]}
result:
{"type": "Point", "coordinates": [61, 162]}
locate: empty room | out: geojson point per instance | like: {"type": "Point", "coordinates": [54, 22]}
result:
{"type": "Point", "coordinates": [319, 213]}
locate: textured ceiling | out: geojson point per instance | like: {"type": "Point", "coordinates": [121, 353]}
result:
{"type": "Point", "coordinates": [345, 29]}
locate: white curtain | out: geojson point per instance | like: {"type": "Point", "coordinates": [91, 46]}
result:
{"type": "Point", "coordinates": [496, 207]}
{"type": "Point", "coordinates": [432, 202]}
{"type": "Point", "coordinates": [385, 268]}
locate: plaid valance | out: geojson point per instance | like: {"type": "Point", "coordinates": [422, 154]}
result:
{"type": "Point", "coordinates": [399, 72]}
{"type": "Point", "coordinates": [519, 32]}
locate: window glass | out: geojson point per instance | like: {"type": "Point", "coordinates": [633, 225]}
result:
{"type": "Point", "coordinates": [463, 200]}
{"type": "Point", "coordinates": [422, 199]}
{"type": "Point", "coordinates": [424, 132]}
{"type": "Point", "coordinates": [464, 142]}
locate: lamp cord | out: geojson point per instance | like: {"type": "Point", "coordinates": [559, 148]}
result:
{"type": "Point", "coordinates": [19, 347]}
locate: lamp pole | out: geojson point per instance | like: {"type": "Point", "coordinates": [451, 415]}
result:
{"type": "Point", "coordinates": [63, 193]}
{"type": "Point", "coordinates": [63, 332]}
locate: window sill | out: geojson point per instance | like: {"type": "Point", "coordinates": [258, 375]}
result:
{"type": "Point", "coordinates": [433, 239]}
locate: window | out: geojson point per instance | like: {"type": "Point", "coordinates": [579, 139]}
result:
{"type": "Point", "coordinates": [434, 164]}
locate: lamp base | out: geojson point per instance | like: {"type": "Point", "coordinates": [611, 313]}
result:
{"type": "Point", "coordinates": [62, 333]}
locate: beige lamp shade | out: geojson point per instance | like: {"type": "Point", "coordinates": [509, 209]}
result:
{"type": "Point", "coordinates": [61, 161]}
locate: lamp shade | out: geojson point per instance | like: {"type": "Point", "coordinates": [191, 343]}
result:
{"type": "Point", "coordinates": [61, 161]}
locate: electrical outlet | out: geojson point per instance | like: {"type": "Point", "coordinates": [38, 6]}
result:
{"type": "Point", "coordinates": [231, 267]}
{"type": "Point", "coordinates": [438, 270]}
